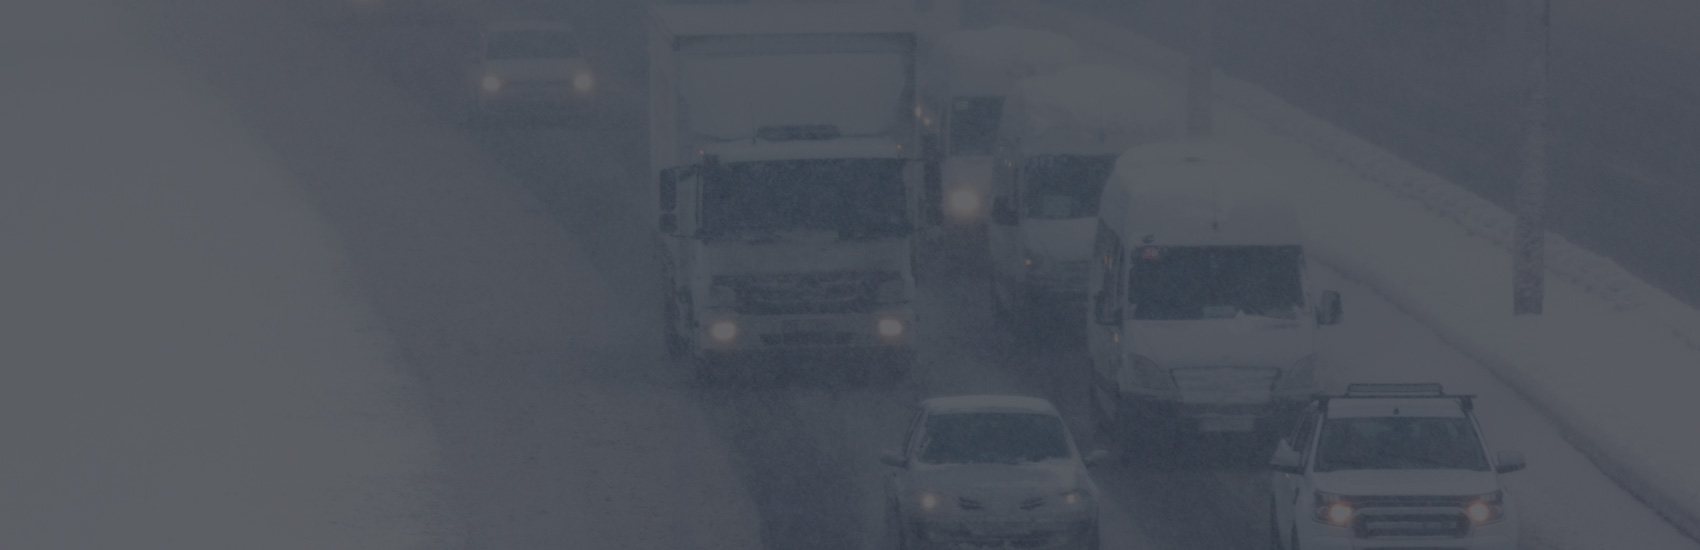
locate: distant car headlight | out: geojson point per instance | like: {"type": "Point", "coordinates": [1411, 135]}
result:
{"type": "Point", "coordinates": [584, 82]}
{"type": "Point", "coordinates": [1486, 508]}
{"type": "Point", "coordinates": [1301, 375]}
{"type": "Point", "coordinates": [491, 83]}
{"type": "Point", "coordinates": [723, 331]}
{"type": "Point", "coordinates": [1333, 509]}
{"type": "Point", "coordinates": [889, 327]}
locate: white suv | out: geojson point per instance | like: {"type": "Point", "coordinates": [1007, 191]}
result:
{"type": "Point", "coordinates": [990, 471]}
{"type": "Point", "coordinates": [1390, 466]}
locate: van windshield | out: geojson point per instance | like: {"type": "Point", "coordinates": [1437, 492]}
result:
{"type": "Point", "coordinates": [857, 198]}
{"type": "Point", "coordinates": [1209, 282]}
{"type": "Point", "coordinates": [1063, 187]}
{"type": "Point", "coordinates": [974, 124]}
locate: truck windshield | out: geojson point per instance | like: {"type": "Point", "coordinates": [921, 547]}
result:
{"type": "Point", "coordinates": [858, 198]}
{"type": "Point", "coordinates": [1062, 187]}
{"type": "Point", "coordinates": [1205, 282]}
{"type": "Point", "coordinates": [974, 438]}
{"type": "Point", "coordinates": [530, 45]}
{"type": "Point", "coordinates": [1399, 443]}
{"type": "Point", "coordinates": [974, 124]}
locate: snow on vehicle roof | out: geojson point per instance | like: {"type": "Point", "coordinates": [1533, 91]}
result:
{"type": "Point", "coordinates": [992, 60]}
{"type": "Point", "coordinates": [1198, 193]}
{"type": "Point", "coordinates": [511, 25]}
{"type": "Point", "coordinates": [1371, 407]}
{"type": "Point", "coordinates": [843, 148]}
{"type": "Point", "coordinates": [747, 19]}
{"type": "Point", "coordinates": [1092, 107]}
{"type": "Point", "coordinates": [988, 403]}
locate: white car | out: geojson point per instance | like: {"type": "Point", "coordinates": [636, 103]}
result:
{"type": "Point", "coordinates": [1391, 466]}
{"type": "Point", "coordinates": [530, 65]}
{"type": "Point", "coordinates": [991, 472]}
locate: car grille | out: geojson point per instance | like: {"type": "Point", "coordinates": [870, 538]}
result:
{"type": "Point", "coordinates": [820, 292]}
{"type": "Point", "coordinates": [1225, 385]}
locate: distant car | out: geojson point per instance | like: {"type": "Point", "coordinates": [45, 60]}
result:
{"type": "Point", "coordinates": [991, 472]}
{"type": "Point", "coordinates": [530, 65]}
{"type": "Point", "coordinates": [1391, 466]}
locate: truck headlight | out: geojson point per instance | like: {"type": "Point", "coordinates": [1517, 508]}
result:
{"type": "Point", "coordinates": [1302, 374]}
{"type": "Point", "coordinates": [723, 331]}
{"type": "Point", "coordinates": [1146, 373]}
{"type": "Point", "coordinates": [1333, 509]}
{"type": "Point", "coordinates": [491, 83]}
{"type": "Point", "coordinates": [584, 82]}
{"type": "Point", "coordinates": [1486, 508]}
{"type": "Point", "coordinates": [963, 202]}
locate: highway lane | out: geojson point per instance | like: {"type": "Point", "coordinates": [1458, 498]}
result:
{"type": "Point", "coordinates": [516, 268]}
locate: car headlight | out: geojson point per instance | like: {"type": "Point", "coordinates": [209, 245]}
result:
{"type": "Point", "coordinates": [1301, 375]}
{"type": "Point", "coordinates": [491, 83]}
{"type": "Point", "coordinates": [723, 331]}
{"type": "Point", "coordinates": [1146, 373]}
{"type": "Point", "coordinates": [1333, 509]}
{"type": "Point", "coordinates": [889, 327]}
{"type": "Point", "coordinates": [584, 82]}
{"type": "Point", "coordinates": [929, 501]}
{"type": "Point", "coordinates": [1486, 508]}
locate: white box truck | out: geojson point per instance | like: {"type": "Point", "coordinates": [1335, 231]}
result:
{"type": "Point", "coordinates": [1057, 144]}
{"type": "Point", "coordinates": [965, 77]}
{"type": "Point", "coordinates": [1203, 314]}
{"type": "Point", "coordinates": [784, 147]}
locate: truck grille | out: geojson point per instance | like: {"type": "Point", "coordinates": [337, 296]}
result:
{"type": "Point", "coordinates": [1225, 385]}
{"type": "Point", "coordinates": [821, 292]}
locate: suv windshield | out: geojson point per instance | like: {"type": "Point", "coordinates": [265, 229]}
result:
{"type": "Point", "coordinates": [858, 198]}
{"type": "Point", "coordinates": [1062, 187]}
{"type": "Point", "coordinates": [974, 124]}
{"type": "Point", "coordinates": [1399, 443]}
{"type": "Point", "coordinates": [530, 45]}
{"type": "Point", "coordinates": [977, 438]}
{"type": "Point", "coordinates": [1205, 282]}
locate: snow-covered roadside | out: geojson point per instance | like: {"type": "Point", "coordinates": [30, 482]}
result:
{"type": "Point", "coordinates": [1610, 363]}
{"type": "Point", "coordinates": [184, 363]}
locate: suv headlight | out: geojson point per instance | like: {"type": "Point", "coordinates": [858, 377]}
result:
{"type": "Point", "coordinates": [491, 83]}
{"type": "Point", "coordinates": [1302, 374]}
{"type": "Point", "coordinates": [1485, 509]}
{"type": "Point", "coordinates": [929, 501]}
{"type": "Point", "coordinates": [1146, 373]}
{"type": "Point", "coordinates": [1333, 509]}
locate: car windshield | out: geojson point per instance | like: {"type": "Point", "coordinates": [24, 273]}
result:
{"type": "Point", "coordinates": [858, 198]}
{"type": "Point", "coordinates": [980, 438]}
{"type": "Point", "coordinates": [974, 124]}
{"type": "Point", "coordinates": [1062, 187]}
{"type": "Point", "coordinates": [530, 45]}
{"type": "Point", "coordinates": [1399, 443]}
{"type": "Point", "coordinates": [1205, 282]}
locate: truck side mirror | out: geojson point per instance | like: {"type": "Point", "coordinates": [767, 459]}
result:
{"type": "Point", "coordinates": [1103, 313]}
{"type": "Point", "coordinates": [1329, 311]}
{"type": "Point", "coordinates": [1003, 213]}
{"type": "Point", "coordinates": [1510, 461]}
{"type": "Point", "coordinates": [1287, 461]}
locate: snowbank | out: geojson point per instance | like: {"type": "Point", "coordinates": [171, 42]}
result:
{"type": "Point", "coordinates": [1094, 106]}
{"type": "Point", "coordinates": [1612, 362]}
{"type": "Point", "coordinates": [185, 365]}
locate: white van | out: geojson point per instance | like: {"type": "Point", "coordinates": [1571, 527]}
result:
{"type": "Point", "coordinates": [1057, 145]}
{"type": "Point", "coordinates": [1202, 315]}
{"type": "Point", "coordinates": [965, 76]}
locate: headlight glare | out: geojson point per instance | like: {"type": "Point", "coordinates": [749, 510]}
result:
{"type": "Point", "coordinates": [724, 330]}
{"type": "Point", "coordinates": [889, 327]}
{"type": "Point", "coordinates": [491, 83]}
{"type": "Point", "coordinates": [1486, 509]}
{"type": "Point", "coordinates": [1333, 509]}
{"type": "Point", "coordinates": [584, 82]}
{"type": "Point", "coordinates": [964, 202]}
{"type": "Point", "coordinates": [929, 501]}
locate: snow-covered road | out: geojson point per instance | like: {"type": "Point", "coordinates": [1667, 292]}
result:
{"type": "Point", "coordinates": [510, 275]}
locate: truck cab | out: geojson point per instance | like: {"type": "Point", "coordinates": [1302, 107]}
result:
{"type": "Point", "coordinates": [1057, 146]}
{"type": "Point", "coordinates": [1203, 315]}
{"type": "Point", "coordinates": [788, 183]}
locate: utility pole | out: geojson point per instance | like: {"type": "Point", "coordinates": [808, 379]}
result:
{"type": "Point", "coordinates": [1528, 278]}
{"type": "Point", "coordinates": [1200, 121]}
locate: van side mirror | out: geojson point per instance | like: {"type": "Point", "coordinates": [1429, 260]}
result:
{"type": "Point", "coordinates": [1287, 461]}
{"type": "Point", "coordinates": [1510, 461]}
{"type": "Point", "coordinates": [1003, 213]}
{"type": "Point", "coordinates": [1329, 311]}
{"type": "Point", "coordinates": [1103, 311]}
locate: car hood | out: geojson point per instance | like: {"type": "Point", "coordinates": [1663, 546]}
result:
{"type": "Point", "coordinates": [1406, 482]}
{"type": "Point", "coordinates": [1244, 341]}
{"type": "Point", "coordinates": [802, 255]}
{"type": "Point", "coordinates": [519, 70]}
{"type": "Point", "coordinates": [1049, 478]}
{"type": "Point", "coordinates": [1059, 240]}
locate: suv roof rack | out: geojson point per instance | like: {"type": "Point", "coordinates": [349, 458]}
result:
{"type": "Point", "coordinates": [1399, 391]}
